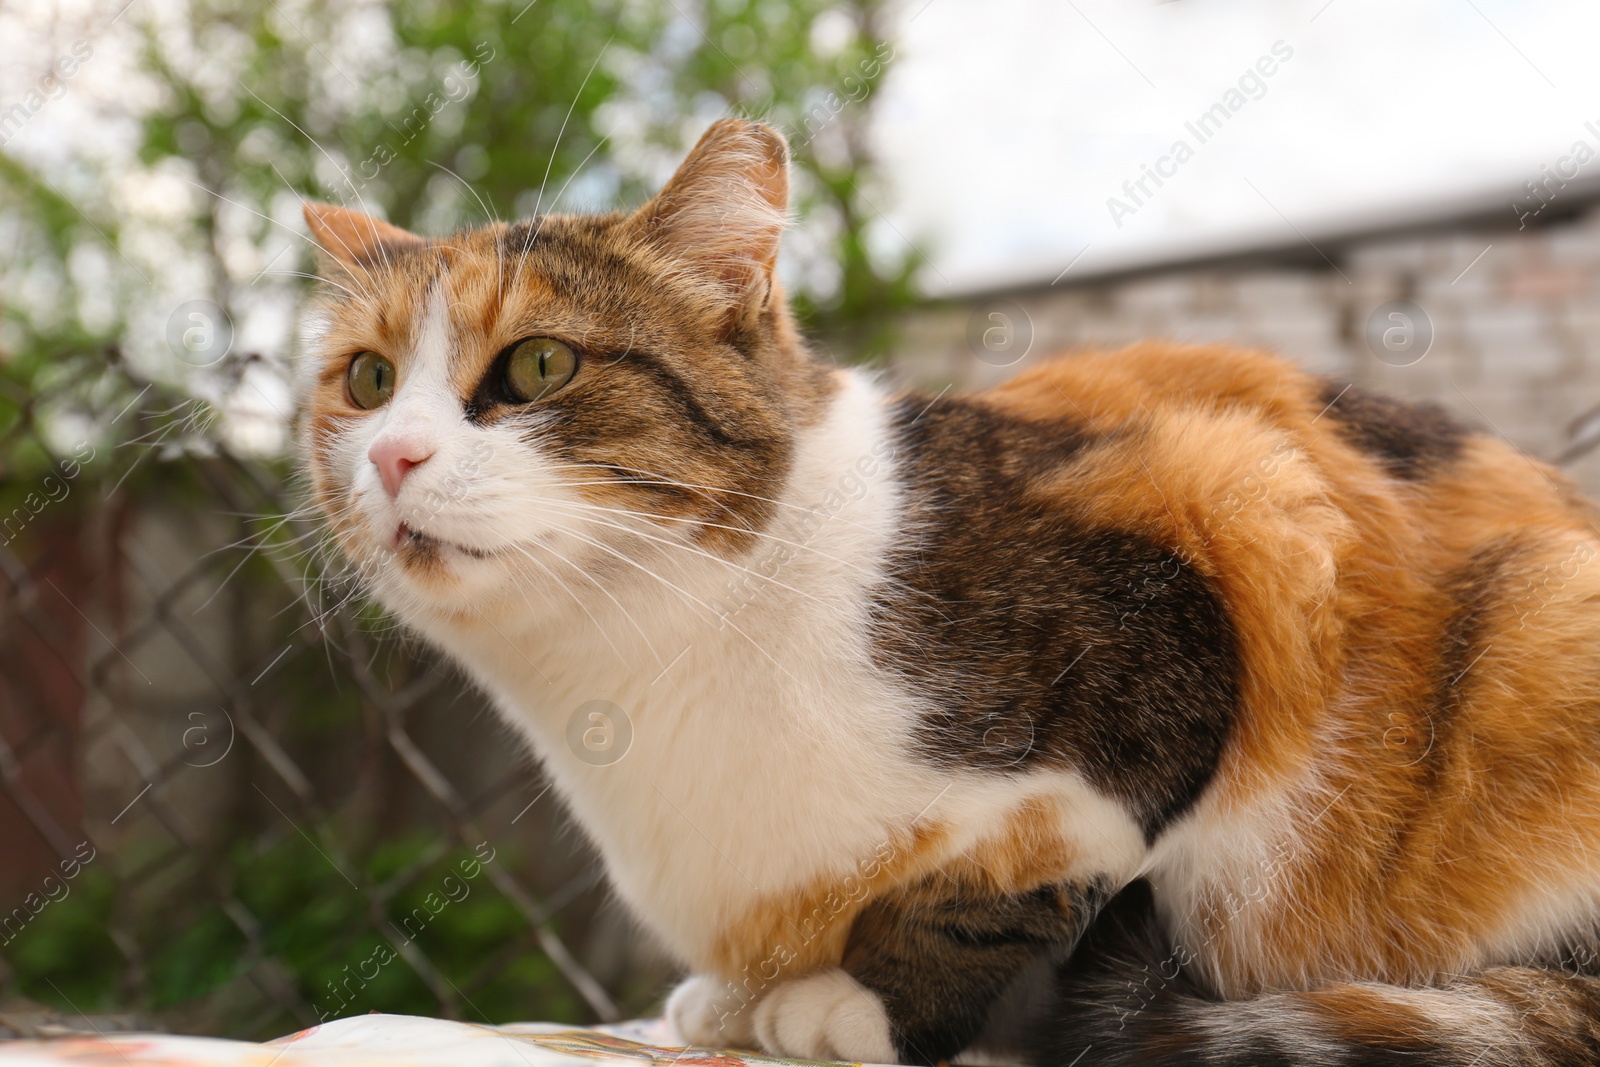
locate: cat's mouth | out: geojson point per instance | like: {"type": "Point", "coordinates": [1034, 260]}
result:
{"type": "Point", "coordinates": [408, 540]}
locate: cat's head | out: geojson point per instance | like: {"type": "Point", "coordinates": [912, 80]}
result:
{"type": "Point", "coordinates": [484, 410]}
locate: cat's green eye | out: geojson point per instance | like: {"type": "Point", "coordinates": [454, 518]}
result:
{"type": "Point", "coordinates": [370, 380]}
{"type": "Point", "coordinates": [538, 367]}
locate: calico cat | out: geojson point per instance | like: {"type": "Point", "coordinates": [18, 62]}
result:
{"type": "Point", "coordinates": [1285, 693]}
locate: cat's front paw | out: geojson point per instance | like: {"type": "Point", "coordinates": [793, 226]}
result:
{"type": "Point", "coordinates": [825, 1016]}
{"type": "Point", "coordinates": [704, 1011]}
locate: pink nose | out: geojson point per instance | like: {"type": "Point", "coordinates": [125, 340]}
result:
{"type": "Point", "coordinates": [395, 456]}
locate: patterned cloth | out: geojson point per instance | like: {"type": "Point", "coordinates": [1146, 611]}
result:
{"type": "Point", "coordinates": [392, 1041]}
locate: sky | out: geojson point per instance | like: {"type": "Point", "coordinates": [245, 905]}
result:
{"type": "Point", "coordinates": [1007, 127]}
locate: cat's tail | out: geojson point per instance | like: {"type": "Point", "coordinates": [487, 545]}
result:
{"type": "Point", "coordinates": [1125, 1003]}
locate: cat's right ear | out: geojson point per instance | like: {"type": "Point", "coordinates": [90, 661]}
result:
{"type": "Point", "coordinates": [724, 211]}
{"type": "Point", "coordinates": [348, 240]}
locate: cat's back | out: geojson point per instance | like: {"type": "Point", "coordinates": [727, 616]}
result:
{"type": "Point", "coordinates": [1457, 477]}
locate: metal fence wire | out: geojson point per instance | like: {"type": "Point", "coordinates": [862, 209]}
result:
{"type": "Point", "coordinates": [233, 799]}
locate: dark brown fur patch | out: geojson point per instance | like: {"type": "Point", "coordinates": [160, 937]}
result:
{"type": "Point", "coordinates": [1409, 439]}
{"type": "Point", "coordinates": [1038, 637]}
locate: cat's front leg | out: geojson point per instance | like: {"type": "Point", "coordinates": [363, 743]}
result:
{"type": "Point", "coordinates": [826, 1015]}
{"type": "Point", "coordinates": [706, 1011]}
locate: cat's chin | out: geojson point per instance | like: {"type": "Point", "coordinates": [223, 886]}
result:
{"type": "Point", "coordinates": [417, 569]}
{"type": "Point", "coordinates": [417, 548]}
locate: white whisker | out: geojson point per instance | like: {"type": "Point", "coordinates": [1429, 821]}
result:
{"type": "Point", "coordinates": [669, 542]}
{"type": "Point", "coordinates": [604, 633]}
{"type": "Point", "coordinates": [538, 203]}
{"type": "Point", "coordinates": [686, 595]}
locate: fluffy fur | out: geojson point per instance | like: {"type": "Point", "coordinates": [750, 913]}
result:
{"type": "Point", "coordinates": [1302, 679]}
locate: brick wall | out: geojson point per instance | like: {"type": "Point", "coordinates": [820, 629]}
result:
{"type": "Point", "coordinates": [1515, 329]}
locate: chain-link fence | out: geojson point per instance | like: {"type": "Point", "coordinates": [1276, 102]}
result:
{"type": "Point", "coordinates": [233, 799]}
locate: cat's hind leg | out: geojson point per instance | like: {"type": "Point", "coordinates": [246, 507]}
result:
{"type": "Point", "coordinates": [921, 971]}
{"type": "Point", "coordinates": [936, 956]}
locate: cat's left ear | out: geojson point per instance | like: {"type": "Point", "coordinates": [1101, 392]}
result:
{"type": "Point", "coordinates": [348, 239]}
{"type": "Point", "coordinates": [724, 211]}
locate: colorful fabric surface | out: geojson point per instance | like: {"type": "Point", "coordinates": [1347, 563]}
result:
{"type": "Point", "coordinates": [392, 1041]}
